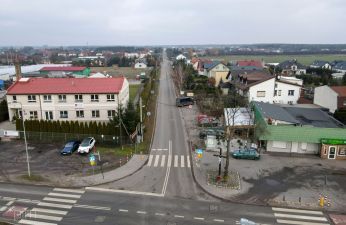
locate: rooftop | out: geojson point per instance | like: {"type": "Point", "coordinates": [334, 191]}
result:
{"type": "Point", "coordinates": [298, 116]}
{"type": "Point", "coordinates": [341, 90]}
{"type": "Point", "coordinates": [66, 86]}
{"type": "Point", "coordinates": [63, 68]}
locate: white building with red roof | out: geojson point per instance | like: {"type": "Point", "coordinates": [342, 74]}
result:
{"type": "Point", "coordinates": [82, 99]}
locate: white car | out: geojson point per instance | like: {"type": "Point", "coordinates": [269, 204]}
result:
{"type": "Point", "coordinates": [86, 145]}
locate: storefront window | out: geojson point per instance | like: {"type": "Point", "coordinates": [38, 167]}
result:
{"type": "Point", "coordinates": [342, 150]}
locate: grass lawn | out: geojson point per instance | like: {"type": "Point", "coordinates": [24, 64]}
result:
{"type": "Point", "coordinates": [304, 59]}
{"type": "Point", "coordinates": [133, 91]}
{"type": "Point", "coordinates": [128, 72]}
{"type": "Point", "coordinates": [126, 151]}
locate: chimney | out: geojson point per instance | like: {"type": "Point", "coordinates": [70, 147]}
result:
{"type": "Point", "coordinates": [18, 70]}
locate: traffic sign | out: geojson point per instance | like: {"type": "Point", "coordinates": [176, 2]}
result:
{"type": "Point", "coordinates": [92, 159]}
{"type": "Point", "coordinates": [199, 151]}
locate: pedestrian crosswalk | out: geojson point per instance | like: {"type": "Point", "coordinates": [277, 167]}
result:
{"type": "Point", "coordinates": [179, 161]}
{"type": "Point", "coordinates": [52, 208]}
{"type": "Point", "coordinates": [299, 216]}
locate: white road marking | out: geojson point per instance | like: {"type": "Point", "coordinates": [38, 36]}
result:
{"type": "Point", "coordinates": [157, 157]}
{"type": "Point", "coordinates": [30, 222]}
{"type": "Point", "coordinates": [69, 190]}
{"type": "Point", "coordinates": [141, 212]}
{"type": "Point", "coordinates": [92, 207]}
{"type": "Point", "coordinates": [218, 220]}
{"type": "Point", "coordinates": [150, 160]}
{"type": "Point", "coordinates": [44, 217]}
{"type": "Point", "coordinates": [182, 161]}
{"type": "Point", "coordinates": [198, 218]}
{"type": "Point", "coordinates": [3, 208]}
{"type": "Point", "coordinates": [153, 149]}
{"type": "Point", "coordinates": [297, 211]}
{"type": "Point", "coordinates": [159, 214]}
{"type": "Point", "coordinates": [163, 160]}
{"type": "Point", "coordinates": [123, 210]}
{"type": "Point", "coordinates": [164, 187]}
{"type": "Point", "coordinates": [9, 199]}
{"type": "Point", "coordinates": [300, 222]}
{"type": "Point", "coordinates": [175, 160]}
{"type": "Point", "coordinates": [169, 161]}
{"type": "Point", "coordinates": [55, 205]}
{"type": "Point", "coordinates": [188, 161]}
{"type": "Point", "coordinates": [10, 203]}
{"type": "Point", "coordinates": [27, 200]}
{"type": "Point", "coordinates": [64, 195]}
{"type": "Point", "coordinates": [123, 191]}
{"type": "Point", "coordinates": [179, 216]}
{"type": "Point", "coordinates": [60, 212]}
{"type": "Point", "coordinates": [300, 217]}
{"type": "Point", "coordinates": [59, 200]}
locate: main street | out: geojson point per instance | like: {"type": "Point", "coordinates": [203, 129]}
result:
{"type": "Point", "coordinates": [162, 192]}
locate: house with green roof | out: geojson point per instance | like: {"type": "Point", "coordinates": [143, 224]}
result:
{"type": "Point", "coordinates": [297, 129]}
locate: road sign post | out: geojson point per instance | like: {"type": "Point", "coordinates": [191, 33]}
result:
{"type": "Point", "coordinates": [218, 178]}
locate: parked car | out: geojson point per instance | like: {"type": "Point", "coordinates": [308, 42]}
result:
{"type": "Point", "coordinates": [184, 101]}
{"type": "Point", "coordinates": [250, 153]}
{"type": "Point", "coordinates": [86, 145]}
{"type": "Point", "coordinates": [70, 147]}
{"type": "Point", "coordinates": [211, 132]}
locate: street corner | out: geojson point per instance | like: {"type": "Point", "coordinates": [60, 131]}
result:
{"type": "Point", "coordinates": [338, 219]}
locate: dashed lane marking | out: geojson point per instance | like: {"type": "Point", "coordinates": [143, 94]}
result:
{"type": "Point", "coordinates": [141, 212]}
{"type": "Point", "coordinates": [198, 218]}
{"type": "Point", "coordinates": [159, 214]}
{"type": "Point", "coordinates": [179, 216]}
{"type": "Point", "coordinates": [218, 220]}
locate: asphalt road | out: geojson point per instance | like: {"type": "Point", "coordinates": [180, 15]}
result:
{"type": "Point", "coordinates": [168, 171]}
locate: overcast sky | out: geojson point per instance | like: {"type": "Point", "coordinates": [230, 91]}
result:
{"type": "Point", "coordinates": [159, 22]}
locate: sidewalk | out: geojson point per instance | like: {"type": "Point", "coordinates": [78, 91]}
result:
{"type": "Point", "coordinates": [132, 166]}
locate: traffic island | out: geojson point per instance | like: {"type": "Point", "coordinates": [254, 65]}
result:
{"type": "Point", "coordinates": [233, 181]}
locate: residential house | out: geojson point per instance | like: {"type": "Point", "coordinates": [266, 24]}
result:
{"type": "Point", "coordinates": [330, 97]}
{"type": "Point", "coordinates": [59, 71]}
{"type": "Point", "coordinates": [340, 67]}
{"type": "Point", "coordinates": [251, 63]}
{"type": "Point", "coordinates": [82, 99]}
{"type": "Point", "coordinates": [321, 65]}
{"type": "Point", "coordinates": [261, 86]}
{"type": "Point", "coordinates": [292, 67]}
{"type": "Point", "coordinates": [298, 130]}
{"type": "Point", "coordinates": [217, 70]}
{"type": "Point", "coordinates": [180, 57]}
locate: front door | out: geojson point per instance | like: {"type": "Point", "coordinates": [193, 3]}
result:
{"type": "Point", "coordinates": [331, 152]}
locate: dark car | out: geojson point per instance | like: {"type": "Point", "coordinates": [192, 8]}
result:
{"type": "Point", "coordinates": [184, 101]}
{"type": "Point", "coordinates": [211, 132]}
{"type": "Point", "coordinates": [70, 147]}
{"type": "Point", "coordinates": [250, 153]}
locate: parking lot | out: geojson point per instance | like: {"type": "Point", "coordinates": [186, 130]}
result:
{"type": "Point", "coordinates": [47, 162]}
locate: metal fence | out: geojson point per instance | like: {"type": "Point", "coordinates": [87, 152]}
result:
{"type": "Point", "coordinates": [46, 137]}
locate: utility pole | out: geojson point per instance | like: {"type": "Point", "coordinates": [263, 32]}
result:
{"type": "Point", "coordinates": [141, 118]}
{"type": "Point", "coordinates": [119, 118]}
{"type": "Point", "coordinates": [218, 178]}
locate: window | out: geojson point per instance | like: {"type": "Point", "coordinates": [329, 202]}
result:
{"type": "Point", "coordinates": [80, 114]}
{"type": "Point", "coordinates": [33, 114]}
{"type": "Point", "coordinates": [342, 150]}
{"type": "Point", "coordinates": [261, 93]}
{"type": "Point", "coordinates": [63, 114]}
{"type": "Point", "coordinates": [279, 93]}
{"type": "Point", "coordinates": [111, 113]}
{"type": "Point", "coordinates": [47, 98]}
{"type": "Point", "coordinates": [31, 98]}
{"type": "Point", "coordinates": [49, 115]}
{"type": "Point", "coordinates": [304, 145]}
{"type": "Point", "coordinates": [78, 98]}
{"type": "Point", "coordinates": [290, 102]}
{"type": "Point", "coordinates": [290, 92]}
{"type": "Point", "coordinates": [275, 92]}
{"type": "Point", "coordinates": [110, 98]}
{"type": "Point", "coordinates": [343, 103]}
{"type": "Point", "coordinates": [14, 98]}
{"type": "Point", "coordinates": [95, 113]}
{"type": "Point", "coordinates": [94, 98]}
{"type": "Point", "coordinates": [276, 85]}
{"type": "Point", "coordinates": [62, 98]}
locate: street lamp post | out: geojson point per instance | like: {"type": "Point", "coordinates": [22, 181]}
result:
{"type": "Point", "coordinates": [26, 143]}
